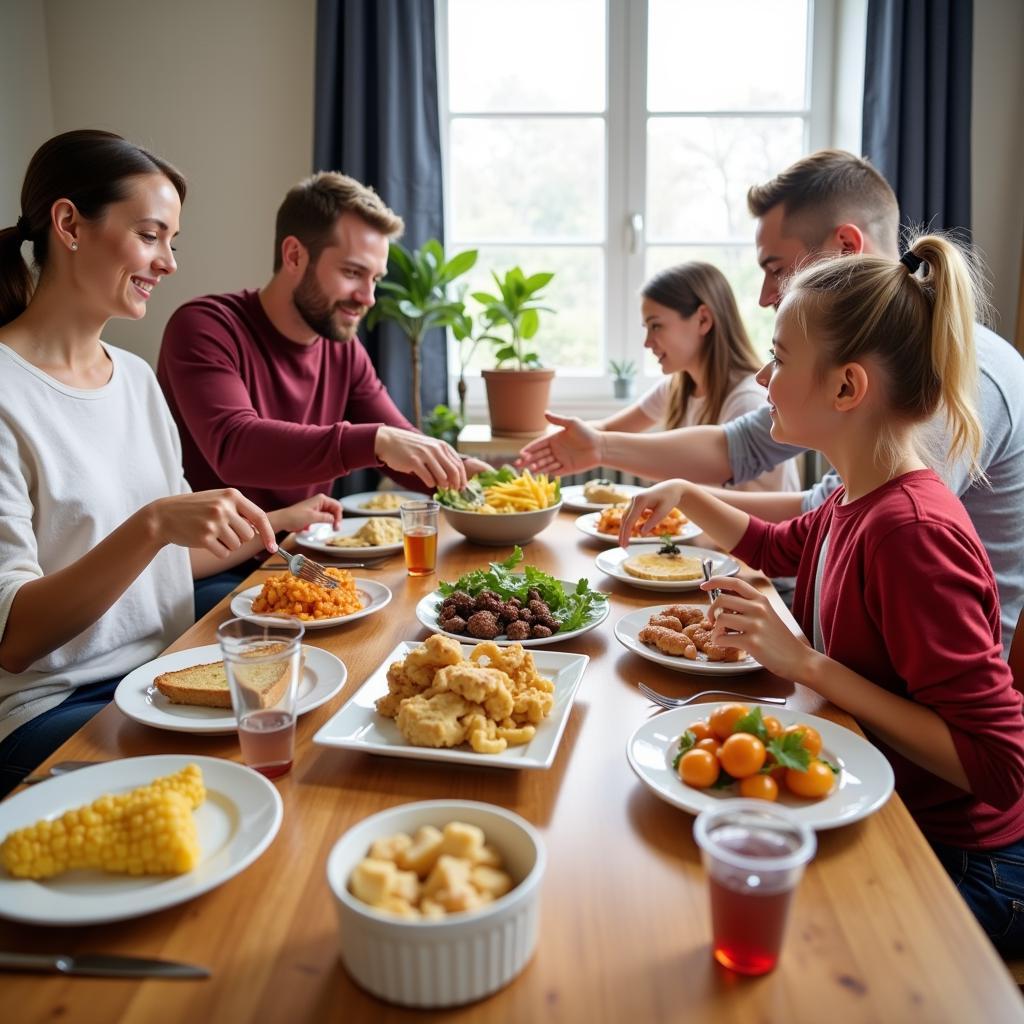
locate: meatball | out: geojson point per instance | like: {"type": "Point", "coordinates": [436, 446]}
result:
{"type": "Point", "coordinates": [515, 601]}
{"type": "Point", "coordinates": [540, 632]}
{"type": "Point", "coordinates": [453, 624]}
{"type": "Point", "coordinates": [463, 602]}
{"type": "Point", "coordinates": [448, 609]}
{"type": "Point", "coordinates": [490, 603]}
{"type": "Point", "coordinates": [508, 612]}
{"type": "Point", "coordinates": [540, 608]}
{"type": "Point", "coordinates": [483, 625]}
{"type": "Point", "coordinates": [518, 631]}
{"type": "Point", "coordinates": [547, 620]}
{"type": "Point", "coordinates": [490, 594]}
{"type": "Point", "coordinates": [533, 594]}
{"type": "Point", "coordinates": [526, 615]}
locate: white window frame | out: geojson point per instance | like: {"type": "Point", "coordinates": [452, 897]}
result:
{"type": "Point", "coordinates": [625, 116]}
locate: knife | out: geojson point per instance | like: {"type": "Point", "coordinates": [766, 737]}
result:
{"type": "Point", "coordinates": [100, 965]}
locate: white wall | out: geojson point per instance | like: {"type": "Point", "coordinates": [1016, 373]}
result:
{"type": "Point", "coordinates": [997, 149]}
{"type": "Point", "coordinates": [224, 90]}
{"type": "Point", "coordinates": [26, 114]}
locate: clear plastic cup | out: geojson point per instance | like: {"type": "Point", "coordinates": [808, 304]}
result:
{"type": "Point", "coordinates": [263, 660]}
{"type": "Point", "coordinates": [419, 536]}
{"type": "Point", "coordinates": [755, 853]}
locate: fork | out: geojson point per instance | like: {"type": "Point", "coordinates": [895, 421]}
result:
{"type": "Point", "coordinates": [306, 569]}
{"type": "Point", "coordinates": [663, 700]}
{"type": "Point", "coordinates": [708, 566]}
{"type": "Point", "coordinates": [60, 768]}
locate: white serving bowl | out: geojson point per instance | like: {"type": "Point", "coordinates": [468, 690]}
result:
{"type": "Point", "coordinates": [501, 527]}
{"type": "Point", "coordinates": [456, 960]}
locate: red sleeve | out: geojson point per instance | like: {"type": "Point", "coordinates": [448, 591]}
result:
{"type": "Point", "coordinates": [200, 365]}
{"type": "Point", "coordinates": [775, 548]}
{"type": "Point", "coordinates": [935, 602]}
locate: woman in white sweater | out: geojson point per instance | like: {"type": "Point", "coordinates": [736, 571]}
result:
{"type": "Point", "coordinates": [100, 537]}
{"type": "Point", "coordinates": [695, 332]}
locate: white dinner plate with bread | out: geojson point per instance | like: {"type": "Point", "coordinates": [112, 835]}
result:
{"type": "Point", "coordinates": [645, 567]}
{"type": "Point", "coordinates": [151, 694]}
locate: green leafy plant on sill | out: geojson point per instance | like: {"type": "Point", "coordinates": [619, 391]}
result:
{"type": "Point", "coordinates": [517, 307]}
{"type": "Point", "coordinates": [418, 295]}
{"type": "Point", "coordinates": [624, 370]}
{"type": "Point", "coordinates": [443, 422]}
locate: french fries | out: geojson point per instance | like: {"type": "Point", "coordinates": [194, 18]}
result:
{"type": "Point", "coordinates": [527, 493]}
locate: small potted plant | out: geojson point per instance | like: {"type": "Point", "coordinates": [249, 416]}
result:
{"type": "Point", "coordinates": [518, 388]}
{"type": "Point", "coordinates": [417, 295]}
{"type": "Point", "coordinates": [623, 376]}
{"type": "Point", "coordinates": [445, 423]}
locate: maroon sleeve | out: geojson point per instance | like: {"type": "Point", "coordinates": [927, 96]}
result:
{"type": "Point", "coordinates": [775, 548]}
{"type": "Point", "coordinates": [201, 366]}
{"type": "Point", "coordinates": [935, 602]}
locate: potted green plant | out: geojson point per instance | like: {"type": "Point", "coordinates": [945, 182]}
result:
{"type": "Point", "coordinates": [417, 295]}
{"type": "Point", "coordinates": [445, 423]}
{"type": "Point", "coordinates": [518, 388]}
{"type": "Point", "coordinates": [623, 374]}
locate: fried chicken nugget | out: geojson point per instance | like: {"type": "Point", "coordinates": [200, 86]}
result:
{"type": "Point", "coordinates": [701, 636]}
{"type": "Point", "coordinates": [433, 721]}
{"type": "Point", "coordinates": [666, 621]}
{"type": "Point", "coordinates": [414, 674]}
{"type": "Point", "coordinates": [482, 734]}
{"type": "Point", "coordinates": [668, 641]}
{"type": "Point", "coordinates": [687, 614]}
{"type": "Point", "coordinates": [486, 686]}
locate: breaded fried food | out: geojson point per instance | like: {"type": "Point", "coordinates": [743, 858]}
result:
{"type": "Point", "coordinates": [667, 622]}
{"type": "Point", "coordinates": [433, 721]}
{"type": "Point", "coordinates": [668, 641]}
{"type": "Point", "coordinates": [700, 634]}
{"type": "Point", "coordinates": [415, 672]}
{"type": "Point", "coordinates": [486, 686]}
{"type": "Point", "coordinates": [687, 614]}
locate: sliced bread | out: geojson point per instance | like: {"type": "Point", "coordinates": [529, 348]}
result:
{"type": "Point", "coordinates": [207, 685]}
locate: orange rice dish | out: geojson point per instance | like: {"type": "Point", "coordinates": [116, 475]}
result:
{"type": "Point", "coordinates": [285, 594]}
{"type": "Point", "coordinates": [611, 520]}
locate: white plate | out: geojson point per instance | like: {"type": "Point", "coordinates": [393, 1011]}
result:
{"type": "Point", "coordinates": [426, 612]}
{"type": "Point", "coordinates": [588, 524]}
{"type": "Point", "coordinates": [864, 784]}
{"type": "Point", "coordinates": [610, 562]}
{"type": "Point", "coordinates": [236, 823]}
{"type": "Point", "coordinates": [353, 503]}
{"type": "Point", "coordinates": [316, 538]}
{"type": "Point", "coordinates": [572, 497]}
{"type": "Point", "coordinates": [373, 595]}
{"type": "Point", "coordinates": [323, 675]}
{"type": "Point", "coordinates": [357, 726]}
{"type": "Point", "coordinates": [627, 628]}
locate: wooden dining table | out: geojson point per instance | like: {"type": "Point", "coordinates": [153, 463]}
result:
{"type": "Point", "coordinates": [877, 931]}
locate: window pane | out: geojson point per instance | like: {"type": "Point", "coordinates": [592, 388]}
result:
{"type": "Point", "coordinates": [699, 170]}
{"type": "Point", "coordinates": [569, 338]}
{"type": "Point", "coordinates": [530, 55]}
{"type": "Point", "coordinates": [518, 180]}
{"type": "Point", "coordinates": [739, 264]}
{"type": "Point", "coordinates": [726, 55]}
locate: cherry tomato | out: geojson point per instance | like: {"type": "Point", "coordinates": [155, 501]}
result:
{"type": "Point", "coordinates": [709, 743]}
{"type": "Point", "coordinates": [701, 730]}
{"type": "Point", "coordinates": [724, 718]}
{"type": "Point", "coordinates": [811, 737]}
{"type": "Point", "coordinates": [741, 755]}
{"type": "Point", "coordinates": [814, 783]}
{"type": "Point", "coordinates": [772, 726]}
{"type": "Point", "coordinates": [698, 768]}
{"type": "Point", "coordinates": [760, 787]}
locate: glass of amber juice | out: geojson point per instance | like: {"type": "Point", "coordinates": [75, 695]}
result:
{"type": "Point", "coordinates": [755, 854]}
{"type": "Point", "coordinates": [263, 661]}
{"type": "Point", "coordinates": [419, 536]}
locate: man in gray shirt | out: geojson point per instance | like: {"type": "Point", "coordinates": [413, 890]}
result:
{"type": "Point", "coordinates": [825, 204]}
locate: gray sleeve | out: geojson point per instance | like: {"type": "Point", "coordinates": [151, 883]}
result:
{"type": "Point", "coordinates": [752, 451]}
{"type": "Point", "coordinates": [821, 490]}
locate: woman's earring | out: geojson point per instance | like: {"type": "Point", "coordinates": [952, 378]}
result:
{"type": "Point", "coordinates": [74, 247]}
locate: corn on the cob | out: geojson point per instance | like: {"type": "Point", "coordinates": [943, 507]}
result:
{"type": "Point", "coordinates": [148, 831]}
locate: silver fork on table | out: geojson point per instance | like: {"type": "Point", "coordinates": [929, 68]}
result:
{"type": "Point", "coordinates": [306, 569]}
{"type": "Point", "coordinates": [665, 701]}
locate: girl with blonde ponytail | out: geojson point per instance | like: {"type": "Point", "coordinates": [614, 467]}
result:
{"type": "Point", "coordinates": [893, 585]}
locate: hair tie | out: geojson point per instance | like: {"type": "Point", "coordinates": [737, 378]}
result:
{"type": "Point", "coordinates": [911, 261]}
{"type": "Point", "coordinates": [23, 229]}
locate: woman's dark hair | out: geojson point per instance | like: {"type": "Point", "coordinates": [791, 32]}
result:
{"type": "Point", "coordinates": [90, 168]}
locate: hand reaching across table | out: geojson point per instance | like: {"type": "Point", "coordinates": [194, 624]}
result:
{"type": "Point", "coordinates": [573, 449]}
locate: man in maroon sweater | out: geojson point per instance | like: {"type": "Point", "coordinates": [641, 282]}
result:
{"type": "Point", "coordinates": [271, 390]}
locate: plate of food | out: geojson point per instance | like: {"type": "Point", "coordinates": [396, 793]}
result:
{"type": "Point", "coordinates": [499, 604]}
{"type": "Point", "coordinates": [669, 568]}
{"type": "Point", "coordinates": [358, 537]}
{"type": "Point", "coordinates": [316, 606]}
{"type": "Point", "coordinates": [187, 691]}
{"type": "Point", "coordinates": [220, 817]}
{"type": "Point", "coordinates": [604, 526]}
{"type": "Point", "coordinates": [834, 777]}
{"type": "Point", "coordinates": [503, 707]}
{"type": "Point", "coordinates": [677, 636]}
{"type": "Point", "coordinates": [378, 503]}
{"type": "Point", "coordinates": [597, 494]}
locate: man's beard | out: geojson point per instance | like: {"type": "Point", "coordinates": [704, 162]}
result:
{"type": "Point", "coordinates": [318, 313]}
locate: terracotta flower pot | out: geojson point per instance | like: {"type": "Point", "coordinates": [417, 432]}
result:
{"type": "Point", "coordinates": [517, 400]}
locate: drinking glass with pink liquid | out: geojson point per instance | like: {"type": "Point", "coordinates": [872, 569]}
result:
{"type": "Point", "coordinates": [263, 661]}
{"type": "Point", "coordinates": [755, 854]}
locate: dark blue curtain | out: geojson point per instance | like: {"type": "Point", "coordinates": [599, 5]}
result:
{"type": "Point", "coordinates": [917, 107]}
{"type": "Point", "coordinates": [376, 118]}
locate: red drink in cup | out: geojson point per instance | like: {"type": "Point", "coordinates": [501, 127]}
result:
{"type": "Point", "coordinates": [755, 856]}
{"type": "Point", "coordinates": [267, 739]}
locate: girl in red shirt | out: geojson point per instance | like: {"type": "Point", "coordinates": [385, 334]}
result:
{"type": "Point", "coordinates": [893, 584]}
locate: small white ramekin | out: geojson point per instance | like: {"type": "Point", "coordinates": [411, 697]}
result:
{"type": "Point", "coordinates": [456, 960]}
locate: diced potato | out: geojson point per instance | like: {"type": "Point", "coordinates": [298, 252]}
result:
{"type": "Point", "coordinates": [490, 880]}
{"type": "Point", "coordinates": [449, 873]}
{"type": "Point", "coordinates": [373, 880]}
{"type": "Point", "coordinates": [460, 840]}
{"type": "Point", "coordinates": [423, 853]}
{"type": "Point", "coordinates": [390, 847]}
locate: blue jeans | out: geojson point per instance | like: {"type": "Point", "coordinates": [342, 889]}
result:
{"type": "Point", "coordinates": [211, 589]}
{"type": "Point", "coordinates": [32, 743]}
{"type": "Point", "coordinates": [992, 885]}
